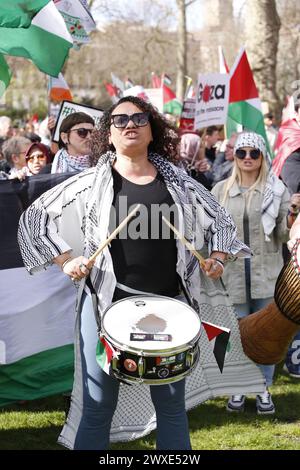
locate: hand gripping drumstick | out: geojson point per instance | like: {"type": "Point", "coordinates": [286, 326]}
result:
{"type": "Point", "coordinates": [114, 233]}
{"type": "Point", "coordinates": [186, 243]}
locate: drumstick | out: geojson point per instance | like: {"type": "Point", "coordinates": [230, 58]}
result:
{"type": "Point", "coordinates": [186, 243]}
{"type": "Point", "coordinates": [114, 233]}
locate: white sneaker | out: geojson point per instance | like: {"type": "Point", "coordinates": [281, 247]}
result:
{"type": "Point", "coordinates": [236, 403]}
{"type": "Point", "coordinates": [264, 404]}
{"type": "Point", "coordinates": [293, 372]}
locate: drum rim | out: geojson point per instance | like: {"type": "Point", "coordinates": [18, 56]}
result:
{"type": "Point", "coordinates": [152, 352]}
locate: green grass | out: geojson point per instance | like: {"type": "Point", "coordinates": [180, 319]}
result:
{"type": "Point", "coordinates": [36, 425]}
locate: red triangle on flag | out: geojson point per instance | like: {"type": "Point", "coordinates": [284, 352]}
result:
{"type": "Point", "coordinates": [242, 85]}
{"type": "Point", "coordinates": [169, 94]}
{"type": "Point", "coordinates": [111, 89]}
{"type": "Point", "coordinates": [212, 330]}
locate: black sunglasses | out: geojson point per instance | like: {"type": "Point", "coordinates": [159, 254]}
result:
{"type": "Point", "coordinates": [82, 132]}
{"type": "Point", "coordinates": [138, 119]}
{"type": "Point", "coordinates": [241, 154]}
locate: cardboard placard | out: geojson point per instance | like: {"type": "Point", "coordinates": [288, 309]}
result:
{"type": "Point", "coordinates": [68, 107]}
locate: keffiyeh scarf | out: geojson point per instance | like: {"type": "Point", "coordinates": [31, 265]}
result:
{"type": "Point", "coordinates": [272, 197]}
{"type": "Point", "coordinates": [65, 163]}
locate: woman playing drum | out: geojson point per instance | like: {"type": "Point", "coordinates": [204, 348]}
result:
{"type": "Point", "coordinates": [135, 146]}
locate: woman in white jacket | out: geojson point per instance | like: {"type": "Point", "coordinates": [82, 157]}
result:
{"type": "Point", "coordinates": [258, 203]}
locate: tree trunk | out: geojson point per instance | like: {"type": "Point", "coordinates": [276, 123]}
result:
{"type": "Point", "coordinates": [181, 50]}
{"type": "Point", "coordinates": [262, 37]}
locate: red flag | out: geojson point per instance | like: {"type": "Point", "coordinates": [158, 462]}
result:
{"type": "Point", "coordinates": [288, 141]}
{"type": "Point", "coordinates": [242, 85]}
{"type": "Point", "coordinates": [34, 118]}
{"type": "Point", "coordinates": [111, 89]}
{"type": "Point", "coordinates": [169, 94]}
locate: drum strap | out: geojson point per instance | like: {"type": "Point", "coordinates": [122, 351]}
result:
{"type": "Point", "coordinates": [95, 303]}
{"type": "Point", "coordinates": [185, 292]}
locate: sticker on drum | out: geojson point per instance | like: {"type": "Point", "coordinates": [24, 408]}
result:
{"type": "Point", "coordinates": [163, 373]}
{"type": "Point", "coordinates": [151, 334]}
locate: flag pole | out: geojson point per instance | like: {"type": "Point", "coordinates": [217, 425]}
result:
{"type": "Point", "coordinates": [48, 83]}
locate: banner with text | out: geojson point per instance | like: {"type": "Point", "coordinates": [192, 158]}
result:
{"type": "Point", "coordinates": [187, 119]}
{"type": "Point", "coordinates": [212, 95]}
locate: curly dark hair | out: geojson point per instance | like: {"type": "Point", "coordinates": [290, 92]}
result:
{"type": "Point", "coordinates": [165, 135]}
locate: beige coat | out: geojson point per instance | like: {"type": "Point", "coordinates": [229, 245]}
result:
{"type": "Point", "coordinates": [267, 260]}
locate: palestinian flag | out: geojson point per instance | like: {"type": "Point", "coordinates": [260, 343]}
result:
{"type": "Point", "coordinates": [104, 355]}
{"type": "Point", "coordinates": [37, 313]}
{"type": "Point", "coordinates": [171, 104]}
{"type": "Point", "coordinates": [244, 102]}
{"type": "Point", "coordinates": [36, 31]}
{"type": "Point", "coordinates": [220, 337]}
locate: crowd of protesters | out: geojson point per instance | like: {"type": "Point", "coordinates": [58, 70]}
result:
{"type": "Point", "coordinates": [237, 171]}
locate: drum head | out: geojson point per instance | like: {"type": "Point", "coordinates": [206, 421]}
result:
{"type": "Point", "coordinates": [150, 323]}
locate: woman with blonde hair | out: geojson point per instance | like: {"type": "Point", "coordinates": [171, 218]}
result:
{"type": "Point", "coordinates": [258, 202]}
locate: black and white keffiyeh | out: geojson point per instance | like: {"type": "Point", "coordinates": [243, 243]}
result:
{"type": "Point", "coordinates": [271, 201]}
{"type": "Point", "coordinates": [250, 139]}
{"type": "Point", "coordinates": [65, 163]}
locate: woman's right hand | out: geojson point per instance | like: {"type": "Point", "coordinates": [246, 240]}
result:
{"type": "Point", "coordinates": [51, 122]}
{"type": "Point", "coordinates": [202, 166]}
{"type": "Point", "coordinates": [77, 268]}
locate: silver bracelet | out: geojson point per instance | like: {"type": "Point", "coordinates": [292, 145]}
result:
{"type": "Point", "coordinates": [65, 262]}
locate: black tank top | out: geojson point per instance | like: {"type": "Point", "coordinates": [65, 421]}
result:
{"type": "Point", "coordinates": [144, 254]}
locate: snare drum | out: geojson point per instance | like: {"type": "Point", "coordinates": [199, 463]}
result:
{"type": "Point", "coordinates": [156, 339]}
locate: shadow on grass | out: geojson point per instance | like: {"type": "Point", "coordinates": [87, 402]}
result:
{"type": "Point", "coordinates": [209, 415]}
{"type": "Point", "coordinates": [30, 438]}
{"type": "Point", "coordinates": [46, 439]}
{"type": "Point", "coordinates": [54, 403]}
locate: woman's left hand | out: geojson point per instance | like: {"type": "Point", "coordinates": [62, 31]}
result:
{"type": "Point", "coordinates": [212, 268]}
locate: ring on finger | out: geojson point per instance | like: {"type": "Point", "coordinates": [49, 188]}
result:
{"type": "Point", "coordinates": [82, 265]}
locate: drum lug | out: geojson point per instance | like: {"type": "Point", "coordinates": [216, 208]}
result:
{"type": "Point", "coordinates": [115, 363]}
{"type": "Point", "coordinates": [190, 355]}
{"type": "Point", "coordinates": [141, 366]}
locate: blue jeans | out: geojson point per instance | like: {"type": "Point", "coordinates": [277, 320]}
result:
{"type": "Point", "coordinates": [100, 396]}
{"type": "Point", "coordinates": [246, 309]}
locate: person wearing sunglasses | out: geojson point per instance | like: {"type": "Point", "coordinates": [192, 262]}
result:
{"type": "Point", "coordinates": [222, 166]}
{"type": "Point", "coordinates": [136, 149]}
{"type": "Point", "coordinates": [74, 143]}
{"type": "Point", "coordinates": [37, 158]}
{"type": "Point", "coordinates": [258, 202]}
